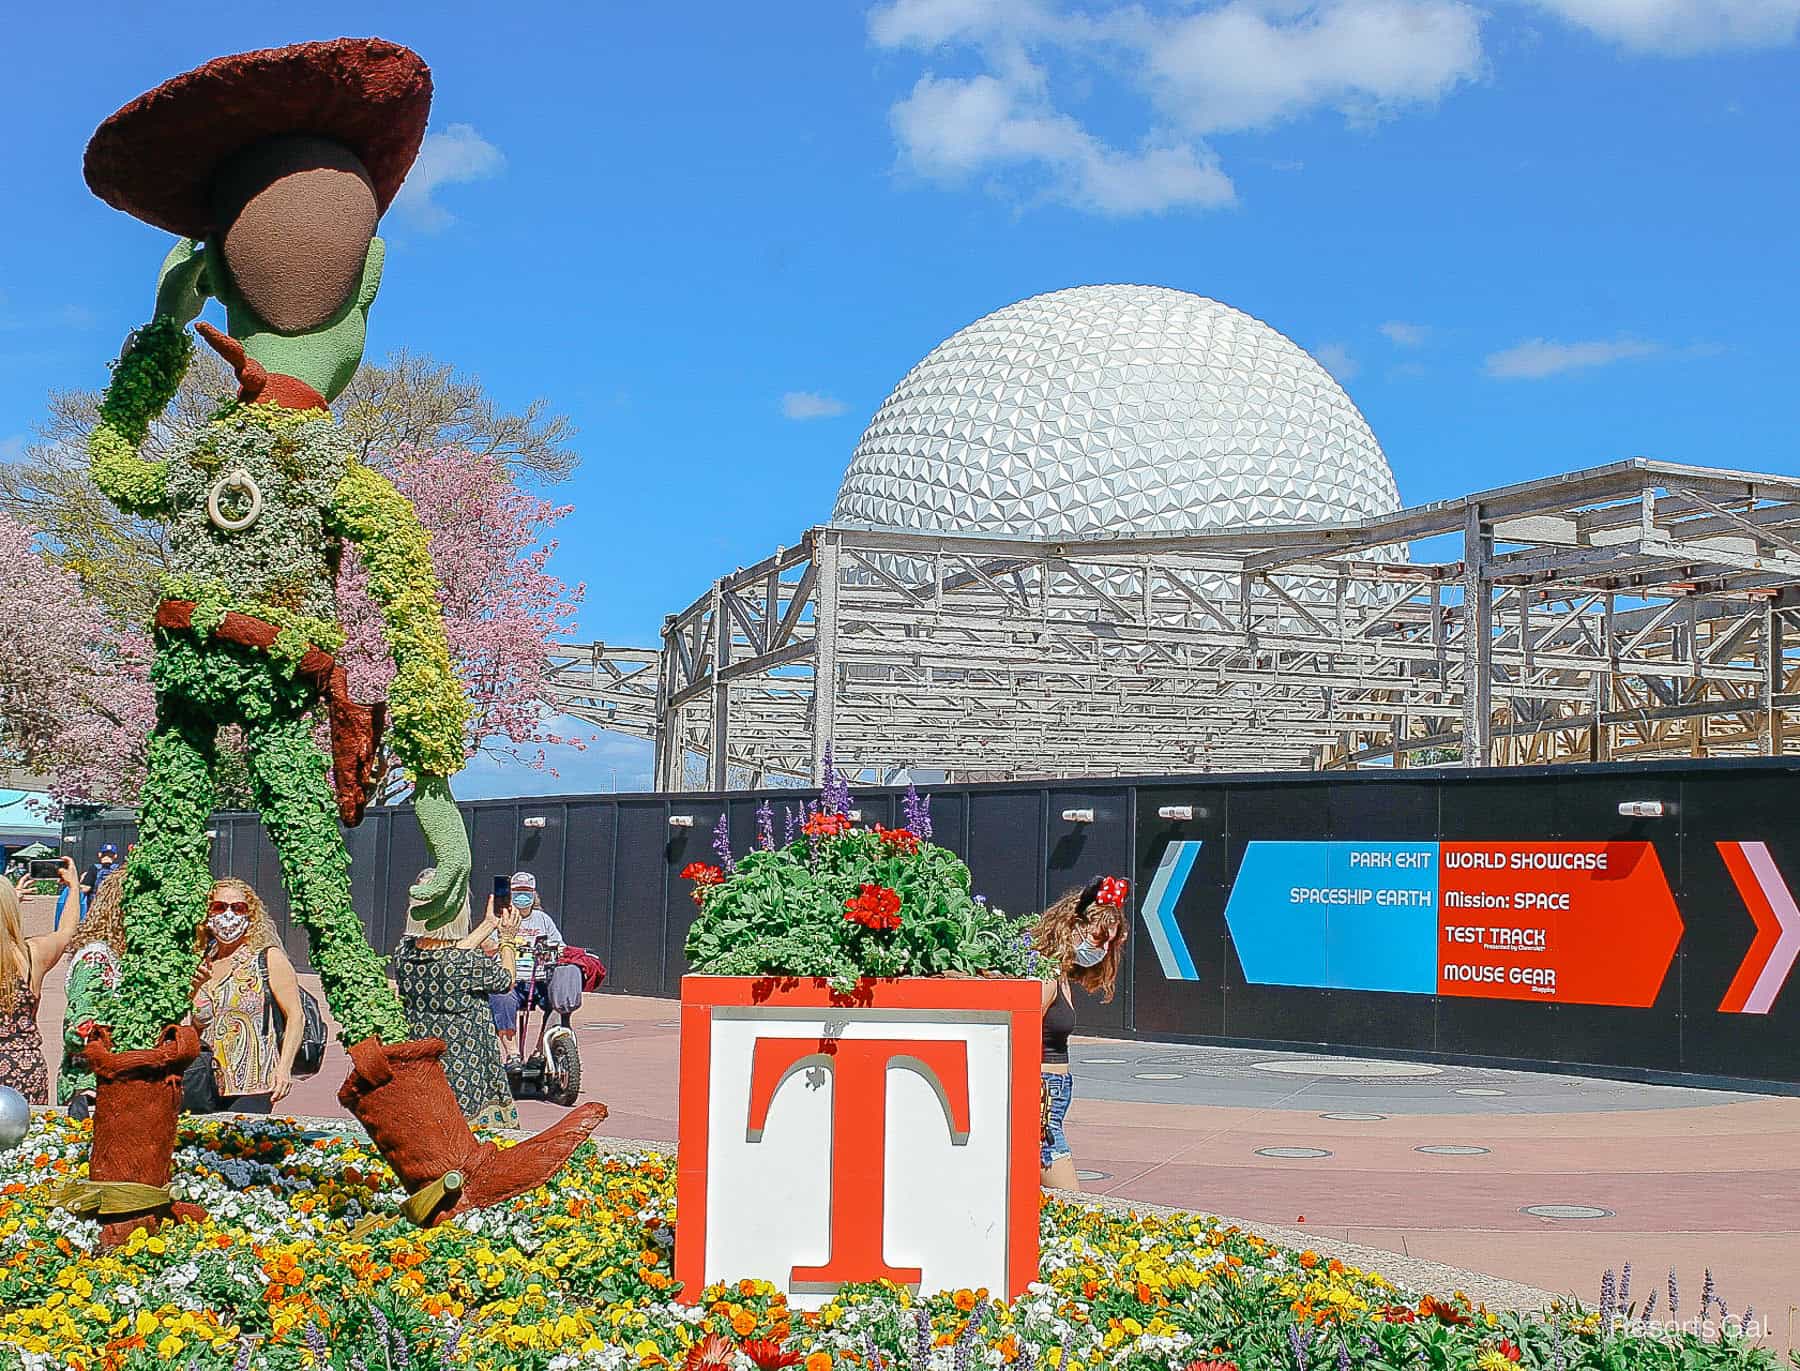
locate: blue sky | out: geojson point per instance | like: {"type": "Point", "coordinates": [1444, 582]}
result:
{"type": "Point", "coordinates": [1527, 238]}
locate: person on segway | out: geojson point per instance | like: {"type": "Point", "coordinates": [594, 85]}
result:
{"type": "Point", "coordinates": [549, 1065]}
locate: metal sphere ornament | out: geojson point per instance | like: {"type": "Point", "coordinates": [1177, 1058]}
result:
{"type": "Point", "coordinates": [15, 1118]}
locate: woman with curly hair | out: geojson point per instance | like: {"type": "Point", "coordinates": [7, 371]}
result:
{"type": "Point", "coordinates": [243, 970]}
{"type": "Point", "coordinates": [1084, 934]}
{"type": "Point", "coordinates": [93, 971]}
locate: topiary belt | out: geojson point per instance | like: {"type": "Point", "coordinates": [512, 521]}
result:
{"type": "Point", "coordinates": [355, 728]}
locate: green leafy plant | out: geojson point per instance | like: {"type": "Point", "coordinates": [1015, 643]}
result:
{"type": "Point", "coordinates": [842, 903]}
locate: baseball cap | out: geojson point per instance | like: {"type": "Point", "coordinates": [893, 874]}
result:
{"type": "Point", "coordinates": [524, 880]}
{"type": "Point", "coordinates": [109, 849]}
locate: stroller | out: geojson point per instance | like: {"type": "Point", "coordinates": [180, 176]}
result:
{"type": "Point", "coordinates": [551, 1068]}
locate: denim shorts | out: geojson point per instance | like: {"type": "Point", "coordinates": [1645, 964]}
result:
{"type": "Point", "coordinates": [1059, 1089]}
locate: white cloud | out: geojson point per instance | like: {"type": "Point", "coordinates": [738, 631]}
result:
{"type": "Point", "coordinates": [1247, 65]}
{"type": "Point", "coordinates": [1537, 358]}
{"type": "Point", "coordinates": [1336, 359]}
{"type": "Point", "coordinates": [1243, 65]}
{"type": "Point", "coordinates": [1403, 335]}
{"type": "Point", "coordinates": [453, 155]}
{"type": "Point", "coordinates": [1679, 28]}
{"type": "Point", "coordinates": [951, 128]}
{"type": "Point", "coordinates": [810, 404]}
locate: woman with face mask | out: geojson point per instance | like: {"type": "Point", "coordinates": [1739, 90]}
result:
{"type": "Point", "coordinates": [243, 969]}
{"type": "Point", "coordinates": [1084, 934]}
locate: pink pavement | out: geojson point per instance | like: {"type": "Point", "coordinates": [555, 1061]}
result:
{"type": "Point", "coordinates": [1710, 1186]}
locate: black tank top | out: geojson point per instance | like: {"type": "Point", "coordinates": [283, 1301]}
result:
{"type": "Point", "coordinates": [1059, 1022]}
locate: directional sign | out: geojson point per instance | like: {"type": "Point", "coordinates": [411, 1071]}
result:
{"type": "Point", "coordinates": [1566, 923]}
{"type": "Point", "coordinates": [1771, 957]}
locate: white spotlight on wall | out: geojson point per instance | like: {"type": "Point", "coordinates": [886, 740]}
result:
{"type": "Point", "coordinates": [681, 821]}
{"type": "Point", "coordinates": [536, 821]}
{"type": "Point", "coordinates": [1176, 812]}
{"type": "Point", "coordinates": [1078, 816]}
{"type": "Point", "coordinates": [1641, 809]}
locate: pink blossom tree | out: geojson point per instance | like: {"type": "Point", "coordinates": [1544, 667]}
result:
{"type": "Point", "coordinates": [75, 700]}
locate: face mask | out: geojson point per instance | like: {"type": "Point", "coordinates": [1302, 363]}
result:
{"type": "Point", "coordinates": [1086, 954]}
{"type": "Point", "coordinates": [521, 900]}
{"type": "Point", "coordinates": [227, 926]}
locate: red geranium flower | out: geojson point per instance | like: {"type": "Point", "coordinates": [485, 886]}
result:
{"type": "Point", "coordinates": [823, 825]}
{"type": "Point", "coordinates": [876, 907]}
{"type": "Point", "coordinates": [703, 873]}
{"type": "Point", "coordinates": [770, 1355]}
{"type": "Point", "coordinates": [899, 839]}
{"type": "Point", "coordinates": [1508, 1349]}
{"type": "Point", "coordinates": [1211, 1365]}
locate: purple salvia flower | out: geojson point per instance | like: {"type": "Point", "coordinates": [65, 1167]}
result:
{"type": "Point", "coordinates": [379, 1319]}
{"type": "Point", "coordinates": [721, 844]}
{"type": "Point", "coordinates": [1707, 1291]}
{"type": "Point", "coordinates": [1608, 1297]}
{"type": "Point", "coordinates": [453, 1341]}
{"type": "Point", "coordinates": [246, 1350]}
{"type": "Point", "coordinates": [1063, 1361]}
{"type": "Point", "coordinates": [1724, 1314]}
{"type": "Point", "coordinates": [1297, 1344]}
{"type": "Point", "coordinates": [1674, 1294]}
{"type": "Point", "coordinates": [765, 826]}
{"type": "Point", "coordinates": [315, 1343]}
{"type": "Point", "coordinates": [1343, 1357]}
{"type": "Point", "coordinates": [834, 797]}
{"type": "Point", "coordinates": [917, 810]}
{"type": "Point", "coordinates": [1650, 1304]}
{"type": "Point", "coordinates": [1749, 1318]}
{"type": "Point", "coordinates": [921, 1338]}
{"type": "Point", "coordinates": [790, 826]}
{"type": "Point", "coordinates": [1625, 1286]}
{"type": "Point", "coordinates": [357, 1363]}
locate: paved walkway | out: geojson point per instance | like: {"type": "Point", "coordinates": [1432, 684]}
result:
{"type": "Point", "coordinates": [1433, 1162]}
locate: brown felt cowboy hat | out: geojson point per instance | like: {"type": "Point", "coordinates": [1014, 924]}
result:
{"type": "Point", "coordinates": [158, 157]}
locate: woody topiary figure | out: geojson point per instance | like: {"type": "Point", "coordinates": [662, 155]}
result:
{"type": "Point", "coordinates": [273, 169]}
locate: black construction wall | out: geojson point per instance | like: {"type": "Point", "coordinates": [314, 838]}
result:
{"type": "Point", "coordinates": [607, 869]}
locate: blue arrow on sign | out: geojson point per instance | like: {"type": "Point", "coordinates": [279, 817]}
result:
{"type": "Point", "coordinates": [1159, 910]}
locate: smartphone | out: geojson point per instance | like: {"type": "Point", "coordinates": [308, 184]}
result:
{"type": "Point", "coordinates": [45, 868]}
{"type": "Point", "coordinates": [502, 893]}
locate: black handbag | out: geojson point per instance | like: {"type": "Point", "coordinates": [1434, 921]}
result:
{"type": "Point", "coordinates": [311, 1055]}
{"type": "Point", "coordinates": [200, 1087]}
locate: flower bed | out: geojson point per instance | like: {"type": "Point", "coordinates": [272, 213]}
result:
{"type": "Point", "coordinates": [579, 1276]}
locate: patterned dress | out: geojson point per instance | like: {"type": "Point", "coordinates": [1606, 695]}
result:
{"type": "Point", "coordinates": [445, 990]}
{"type": "Point", "coordinates": [22, 1064]}
{"type": "Point", "coordinates": [230, 1013]}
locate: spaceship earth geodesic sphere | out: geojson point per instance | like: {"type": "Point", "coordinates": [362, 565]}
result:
{"type": "Point", "coordinates": [1115, 409]}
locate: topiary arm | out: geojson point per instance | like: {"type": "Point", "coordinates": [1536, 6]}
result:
{"type": "Point", "coordinates": [428, 711]}
{"type": "Point", "coordinates": [143, 382]}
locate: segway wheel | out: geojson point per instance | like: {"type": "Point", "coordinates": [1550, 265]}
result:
{"type": "Point", "coordinates": [562, 1074]}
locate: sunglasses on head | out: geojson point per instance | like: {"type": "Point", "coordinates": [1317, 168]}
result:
{"type": "Point", "coordinates": [228, 907]}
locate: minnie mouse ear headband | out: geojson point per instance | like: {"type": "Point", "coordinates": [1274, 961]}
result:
{"type": "Point", "coordinates": [1110, 891]}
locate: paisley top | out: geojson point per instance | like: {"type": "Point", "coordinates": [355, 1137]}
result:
{"type": "Point", "coordinates": [230, 1014]}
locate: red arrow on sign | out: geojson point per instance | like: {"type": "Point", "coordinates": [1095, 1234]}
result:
{"type": "Point", "coordinates": [1766, 965]}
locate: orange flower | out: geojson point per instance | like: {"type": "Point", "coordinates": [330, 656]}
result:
{"type": "Point", "coordinates": [770, 1355]}
{"type": "Point", "coordinates": [964, 1300]}
{"type": "Point", "coordinates": [1309, 1259]}
{"type": "Point", "coordinates": [819, 1361]}
{"type": "Point", "coordinates": [743, 1323]}
{"type": "Point", "coordinates": [1442, 1310]}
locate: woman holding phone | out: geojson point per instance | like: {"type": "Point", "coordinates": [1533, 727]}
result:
{"type": "Point", "coordinates": [24, 962]}
{"type": "Point", "coordinates": [444, 981]}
